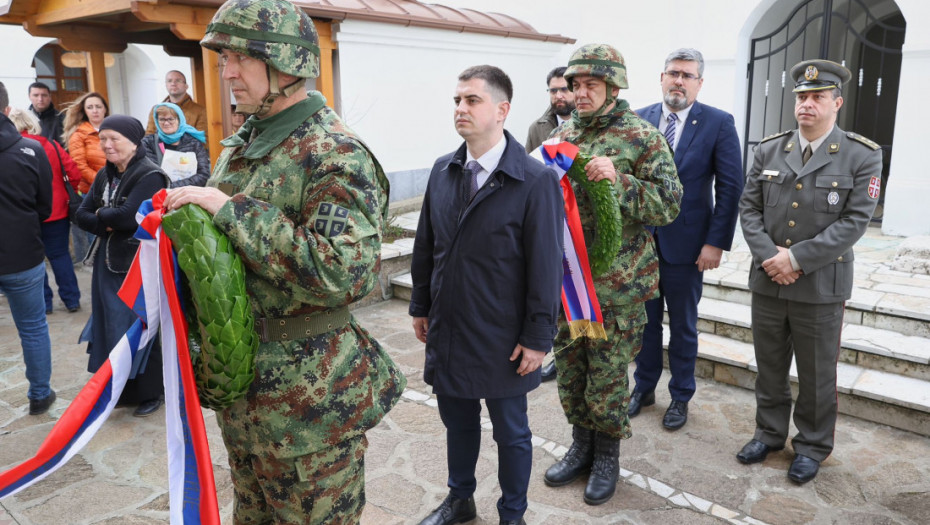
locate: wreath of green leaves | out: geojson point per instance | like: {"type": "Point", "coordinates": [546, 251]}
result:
{"type": "Point", "coordinates": [224, 342]}
{"type": "Point", "coordinates": [608, 235]}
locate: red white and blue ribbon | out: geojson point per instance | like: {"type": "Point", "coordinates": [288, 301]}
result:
{"type": "Point", "coordinates": [151, 289]}
{"type": "Point", "coordinates": [579, 300]}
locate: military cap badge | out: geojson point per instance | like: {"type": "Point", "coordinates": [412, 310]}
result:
{"type": "Point", "coordinates": [811, 72]}
{"type": "Point", "coordinates": [330, 220]}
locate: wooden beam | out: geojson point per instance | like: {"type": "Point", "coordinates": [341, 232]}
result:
{"type": "Point", "coordinates": [97, 73]}
{"type": "Point", "coordinates": [78, 37]}
{"type": "Point", "coordinates": [324, 84]}
{"type": "Point", "coordinates": [80, 44]}
{"type": "Point", "coordinates": [214, 85]}
{"type": "Point", "coordinates": [172, 13]}
{"type": "Point", "coordinates": [198, 88]}
{"type": "Point", "coordinates": [189, 31]}
{"type": "Point", "coordinates": [69, 11]}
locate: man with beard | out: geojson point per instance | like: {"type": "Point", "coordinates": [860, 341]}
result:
{"type": "Point", "coordinates": [561, 104]}
{"type": "Point", "coordinates": [707, 154]}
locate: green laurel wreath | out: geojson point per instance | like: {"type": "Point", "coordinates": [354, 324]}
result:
{"type": "Point", "coordinates": [224, 344]}
{"type": "Point", "coordinates": [608, 235]}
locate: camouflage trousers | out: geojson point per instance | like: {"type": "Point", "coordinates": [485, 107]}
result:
{"type": "Point", "coordinates": [594, 386]}
{"type": "Point", "coordinates": [323, 488]}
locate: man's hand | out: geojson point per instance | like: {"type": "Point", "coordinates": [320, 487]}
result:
{"type": "Point", "coordinates": [779, 268]}
{"type": "Point", "coordinates": [420, 326]}
{"type": "Point", "coordinates": [532, 359]}
{"type": "Point", "coordinates": [709, 258]}
{"type": "Point", "coordinates": [210, 199]}
{"type": "Point", "coordinates": [600, 168]}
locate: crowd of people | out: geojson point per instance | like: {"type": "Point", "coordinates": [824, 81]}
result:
{"type": "Point", "coordinates": [488, 263]}
{"type": "Point", "coordinates": [100, 167]}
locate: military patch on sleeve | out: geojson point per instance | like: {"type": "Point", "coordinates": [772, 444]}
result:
{"type": "Point", "coordinates": [859, 138]}
{"type": "Point", "coordinates": [875, 187]}
{"type": "Point", "coordinates": [330, 220]}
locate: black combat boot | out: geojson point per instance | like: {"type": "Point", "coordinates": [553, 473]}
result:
{"type": "Point", "coordinates": [602, 483]}
{"type": "Point", "coordinates": [577, 460]}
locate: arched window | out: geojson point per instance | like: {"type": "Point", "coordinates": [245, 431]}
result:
{"type": "Point", "coordinates": [65, 83]}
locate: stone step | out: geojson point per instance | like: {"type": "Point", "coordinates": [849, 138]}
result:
{"type": "Point", "coordinates": [866, 307]}
{"type": "Point", "coordinates": [875, 395]}
{"type": "Point", "coordinates": [870, 347]}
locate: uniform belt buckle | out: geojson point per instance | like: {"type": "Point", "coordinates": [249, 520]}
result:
{"type": "Point", "coordinates": [261, 326]}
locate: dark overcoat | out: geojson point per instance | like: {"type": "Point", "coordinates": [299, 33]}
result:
{"type": "Point", "coordinates": [487, 273]}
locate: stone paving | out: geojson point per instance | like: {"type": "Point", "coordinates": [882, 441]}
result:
{"type": "Point", "coordinates": [877, 474]}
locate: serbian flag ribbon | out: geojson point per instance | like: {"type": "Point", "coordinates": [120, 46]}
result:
{"type": "Point", "coordinates": [151, 289]}
{"type": "Point", "coordinates": [579, 300]}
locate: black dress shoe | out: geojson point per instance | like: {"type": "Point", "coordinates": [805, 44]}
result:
{"type": "Point", "coordinates": [72, 309]}
{"type": "Point", "coordinates": [147, 408]}
{"type": "Point", "coordinates": [40, 406]}
{"type": "Point", "coordinates": [676, 416]}
{"type": "Point", "coordinates": [452, 510]}
{"type": "Point", "coordinates": [803, 469]}
{"type": "Point", "coordinates": [520, 521]}
{"type": "Point", "coordinates": [639, 400]}
{"type": "Point", "coordinates": [548, 372]}
{"type": "Point", "coordinates": [755, 452]}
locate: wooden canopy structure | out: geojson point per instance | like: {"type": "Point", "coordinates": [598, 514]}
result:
{"type": "Point", "coordinates": [108, 26]}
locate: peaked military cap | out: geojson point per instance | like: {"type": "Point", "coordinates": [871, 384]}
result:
{"type": "Point", "coordinates": [816, 75]}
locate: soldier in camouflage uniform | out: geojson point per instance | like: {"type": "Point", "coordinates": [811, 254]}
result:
{"type": "Point", "coordinates": [592, 374]}
{"type": "Point", "coordinates": [303, 201]}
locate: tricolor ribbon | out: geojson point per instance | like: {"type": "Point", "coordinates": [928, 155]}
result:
{"type": "Point", "coordinates": [579, 300]}
{"type": "Point", "coordinates": [151, 289]}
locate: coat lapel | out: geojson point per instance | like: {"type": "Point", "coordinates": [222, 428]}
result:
{"type": "Point", "coordinates": [793, 156]}
{"type": "Point", "coordinates": [822, 156]}
{"type": "Point", "coordinates": [694, 120]}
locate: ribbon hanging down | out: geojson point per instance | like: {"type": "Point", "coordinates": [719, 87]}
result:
{"type": "Point", "coordinates": [151, 289]}
{"type": "Point", "coordinates": [579, 300]}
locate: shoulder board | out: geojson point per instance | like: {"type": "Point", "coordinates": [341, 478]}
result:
{"type": "Point", "coordinates": [859, 138]}
{"type": "Point", "coordinates": [775, 136]}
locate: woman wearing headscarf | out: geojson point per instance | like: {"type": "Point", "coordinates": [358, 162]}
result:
{"type": "Point", "coordinates": [109, 211]}
{"type": "Point", "coordinates": [56, 228]}
{"type": "Point", "coordinates": [174, 134]}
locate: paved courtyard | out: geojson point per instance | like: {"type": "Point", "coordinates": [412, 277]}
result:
{"type": "Point", "coordinates": [877, 475]}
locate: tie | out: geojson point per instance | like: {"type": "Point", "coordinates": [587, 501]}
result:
{"type": "Point", "coordinates": [670, 130]}
{"type": "Point", "coordinates": [807, 154]}
{"type": "Point", "coordinates": [472, 167]}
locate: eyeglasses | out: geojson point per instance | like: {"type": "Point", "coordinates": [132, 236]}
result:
{"type": "Point", "coordinates": [681, 74]}
{"type": "Point", "coordinates": [562, 90]}
{"type": "Point", "coordinates": [168, 120]}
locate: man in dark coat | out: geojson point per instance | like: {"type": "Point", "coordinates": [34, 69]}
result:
{"type": "Point", "coordinates": [487, 267]}
{"type": "Point", "coordinates": [51, 121]}
{"type": "Point", "coordinates": [26, 201]}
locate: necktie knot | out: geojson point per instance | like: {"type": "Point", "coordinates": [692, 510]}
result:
{"type": "Point", "coordinates": [473, 168]}
{"type": "Point", "coordinates": [670, 130]}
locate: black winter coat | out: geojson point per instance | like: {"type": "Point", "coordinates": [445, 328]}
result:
{"type": "Point", "coordinates": [25, 199]}
{"type": "Point", "coordinates": [487, 273]}
{"type": "Point", "coordinates": [139, 182]}
{"type": "Point", "coordinates": [52, 123]}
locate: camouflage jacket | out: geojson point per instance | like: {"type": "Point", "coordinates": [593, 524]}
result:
{"type": "Point", "coordinates": [288, 174]}
{"type": "Point", "coordinates": [648, 190]}
{"type": "Point", "coordinates": [306, 216]}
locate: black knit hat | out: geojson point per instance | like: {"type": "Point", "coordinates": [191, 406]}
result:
{"type": "Point", "coordinates": [127, 126]}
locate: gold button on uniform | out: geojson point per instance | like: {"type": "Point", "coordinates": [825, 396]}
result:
{"type": "Point", "coordinates": [835, 184]}
{"type": "Point", "coordinates": [840, 258]}
{"type": "Point", "coordinates": [794, 205]}
{"type": "Point", "coordinates": [787, 242]}
{"type": "Point", "coordinates": [791, 224]}
{"type": "Point", "coordinates": [798, 186]}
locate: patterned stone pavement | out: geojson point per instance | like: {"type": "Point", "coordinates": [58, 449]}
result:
{"type": "Point", "coordinates": [877, 475]}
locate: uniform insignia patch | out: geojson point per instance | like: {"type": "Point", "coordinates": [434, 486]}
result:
{"type": "Point", "coordinates": [834, 147]}
{"type": "Point", "coordinates": [811, 72]}
{"type": "Point", "coordinates": [330, 220]}
{"type": "Point", "coordinates": [789, 146]}
{"type": "Point", "coordinates": [875, 187]}
{"type": "Point", "coordinates": [833, 198]}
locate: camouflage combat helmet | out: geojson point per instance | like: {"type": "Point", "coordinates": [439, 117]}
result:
{"type": "Point", "coordinates": [598, 60]}
{"type": "Point", "coordinates": [273, 31]}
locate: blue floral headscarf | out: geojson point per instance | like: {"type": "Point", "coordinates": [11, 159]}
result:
{"type": "Point", "coordinates": [183, 126]}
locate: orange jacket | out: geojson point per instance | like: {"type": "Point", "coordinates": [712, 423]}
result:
{"type": "Point", "coordinates": [84, 147]}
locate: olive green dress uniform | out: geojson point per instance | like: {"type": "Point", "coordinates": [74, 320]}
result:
{"type": "Point", "coordinates": [818, 210]}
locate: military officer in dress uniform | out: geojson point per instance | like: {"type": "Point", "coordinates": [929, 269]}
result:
{"type": "Point", "coordinates": [808, 198]}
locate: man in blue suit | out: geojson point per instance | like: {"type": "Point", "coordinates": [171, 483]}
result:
{"type": "Point", "coordinates": [707, 154]}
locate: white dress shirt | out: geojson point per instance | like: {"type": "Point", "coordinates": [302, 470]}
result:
{"type": "Point", "coordinates": [488, 161]}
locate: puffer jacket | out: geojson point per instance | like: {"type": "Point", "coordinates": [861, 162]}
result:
{"type": "Point", "coordinates": [84, 147]}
